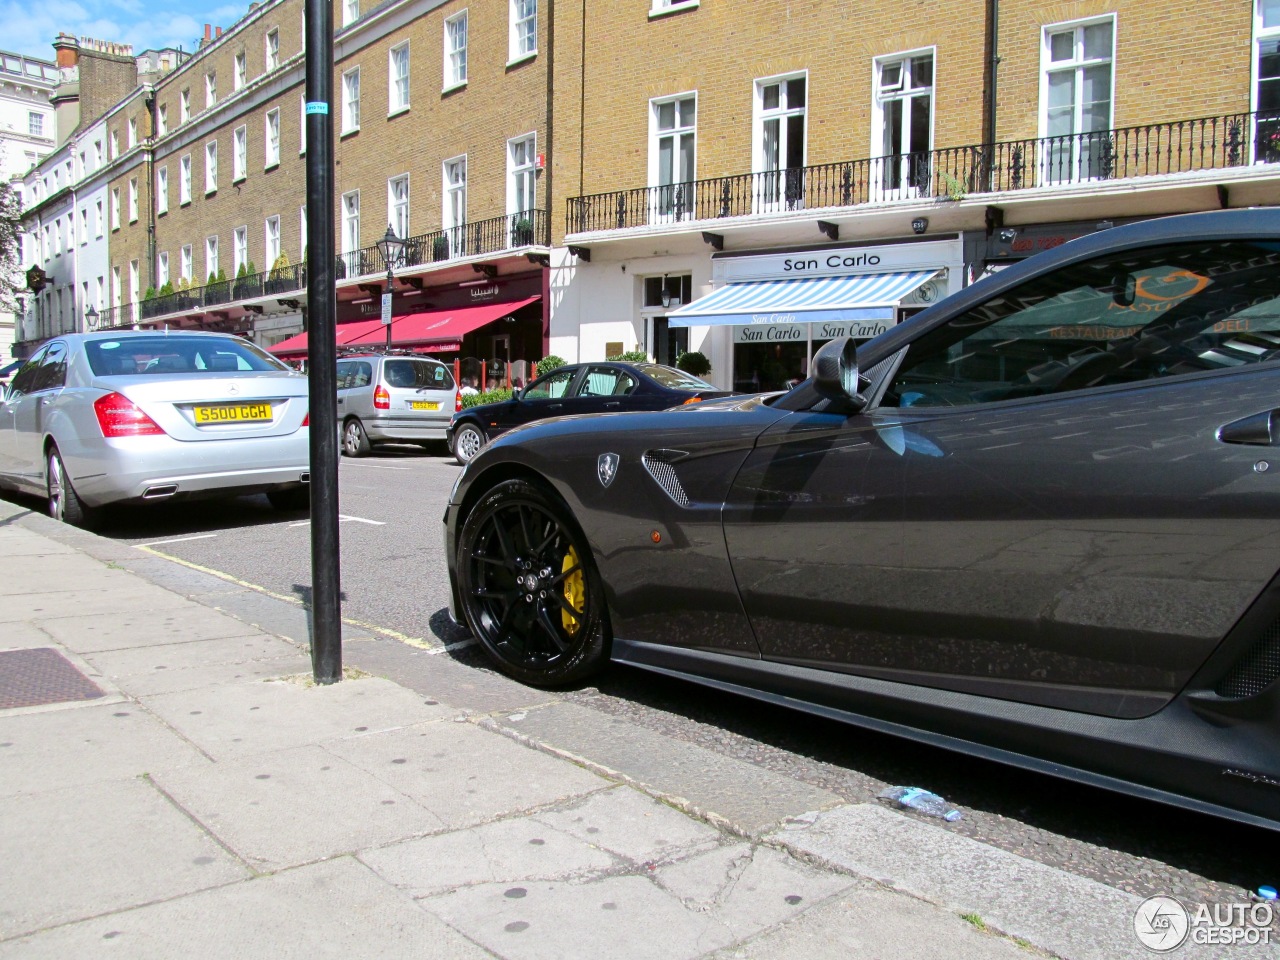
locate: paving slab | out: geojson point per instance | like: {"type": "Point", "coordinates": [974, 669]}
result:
{"type": "Point", "coordinates": [240, 719]}
{"type": "Point", "coordinates": [142, 627]}
{"type": "Point", "coordinates": [144, 671]}
{"type": "Point", "coordinates": [74, 853]}
{"type": "Point", "coordinates": [632, 825]}
{"type": "Point", "coordinates": [747, 797]}
{"type": "Point", "coordinates": [871, 924]}
{"type": "Point", "coordinates": [21, 636]}
{"type": "Point", "coordinates": [17, 542]}
{"type": "Point", "coordinates": [463, 774]}
{"type": "Point", "coordinates": [133, 595]}
{"type": "Point", "coordinates": [72, 569]}
{"type": "Point", "coordinates": [295, 806]}
{"type": "Point", "coordinates": [507, 851]}
{"type": "Point", "coordinates": [621, 918]}
{"type": "Point", "coordinates": [328, 911]}
{"type": "Point", "coordinates": [52, 749]}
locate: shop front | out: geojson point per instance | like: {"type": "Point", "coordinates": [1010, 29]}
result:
{"type": "Point", "coordinates": [778, 308]}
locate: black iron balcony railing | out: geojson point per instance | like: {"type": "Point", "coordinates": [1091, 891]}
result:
{"type": "Point", "coordinates": [496, 235]}
{"type": "Point", "coordinates": [1184, 146]}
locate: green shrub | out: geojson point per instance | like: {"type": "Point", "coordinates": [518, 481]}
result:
{"type": "Point", "coordinates": [550, 363]}
{"type": "Point", "coordinates": [240, 271]}
{"type": "Point", "coordinates": [630, 356]}
{"type": "Point", "coordinates": [489, 396]}
{"type": "Point", "coordinates": [213, 278]}
{"type": "Point", "coordinates": [150, 294]}
{"type": "Point", "coordinates": [166, 290]}
{"type": "Point", "coordinates": [694, 362]}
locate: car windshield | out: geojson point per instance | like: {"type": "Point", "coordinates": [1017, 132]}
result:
{"type": "Point", "coordinates": [674, 379]}
{"type": "Point", "coordinates": [420, 374]}
{"type": "Point", "coordinates": [161, 355]}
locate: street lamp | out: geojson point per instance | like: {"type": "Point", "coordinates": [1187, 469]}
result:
{"type": "Point", "coordinates": [91, 318]}
{"type": "Point", "coordinates": [391, 248]}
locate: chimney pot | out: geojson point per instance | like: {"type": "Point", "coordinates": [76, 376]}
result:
{"type": "Point", "coordinates": [208, 33]}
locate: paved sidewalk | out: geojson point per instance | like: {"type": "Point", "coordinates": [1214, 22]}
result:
{"type": "Point", "coordinates": [171, 784]}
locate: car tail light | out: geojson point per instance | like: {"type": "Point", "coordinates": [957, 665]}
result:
{"type": "Point", "coordinates": [457, 401]}
{"type": "Point", "coordinates": [306, 419]}
{"type": "Point", "coordinates": [691, 400]}
{"type": "Point", "coordinates": [118, 416]}
{"type": "Point", "coordinates": [381, 399]}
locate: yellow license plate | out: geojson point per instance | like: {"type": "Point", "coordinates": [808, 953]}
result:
{"type": "Point", "coordinates": [233, 413]}
{"type": "Point", "coordinates": [424, 405]}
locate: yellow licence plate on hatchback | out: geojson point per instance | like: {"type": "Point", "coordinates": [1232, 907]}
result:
{"type": "Point", "coordinates": [424, 405]}
{"type": "Point", "coordinates": [233, 413]}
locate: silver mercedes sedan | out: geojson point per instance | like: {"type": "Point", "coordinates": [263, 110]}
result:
{"type": "Point", "coordinates": [99, 418]}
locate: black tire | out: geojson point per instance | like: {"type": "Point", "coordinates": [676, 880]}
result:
{"type": "Point", "coordinates": [291, 499]}
{"type": "Point", "coordinates": [468, 440]}
{"type": "Point", "coordinates": [530, 589]}
{"type": "Point", "coordinates": [64, 503]}
{"type": "Point", "coordinates": [355, 442]}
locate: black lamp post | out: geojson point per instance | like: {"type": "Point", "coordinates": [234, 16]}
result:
{"type": "Point", "coordinates": [91, 318]}
{"type": "Point", "coordinates": [391, 248]}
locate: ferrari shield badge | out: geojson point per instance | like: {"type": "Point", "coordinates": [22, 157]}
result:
{"type": "Point", "coordinates": [607, 468]}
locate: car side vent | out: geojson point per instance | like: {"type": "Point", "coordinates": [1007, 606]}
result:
{"type": "Point", "coordinates": [1257, 669]}
{"type": "Point", "coordinates": [658, 463]}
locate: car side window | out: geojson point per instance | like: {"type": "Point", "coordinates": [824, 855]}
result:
{"type": "Point", "coordinates": [343, 375]}
{"type": "Point", "coordinates": [24, 380]}
{"type": "Point", "coordinates": [606, 382]}
{"type": "Point", "coordinates": [552, 386]}
{"type": "Point", "coordinates": [52, 372]}
{"type": "Point", "coordinates": [1120, 319]}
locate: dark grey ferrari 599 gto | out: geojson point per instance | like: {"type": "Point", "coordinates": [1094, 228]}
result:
{"type": "Point", "coordinates": [1038, 522]}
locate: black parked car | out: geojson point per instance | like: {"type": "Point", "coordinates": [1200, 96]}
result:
{"type": "Point", "coordinates": [604, 387]}
{"type": "Point", "coordinates": [1038, 522]}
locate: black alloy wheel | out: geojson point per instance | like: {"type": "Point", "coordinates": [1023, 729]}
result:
{"type": "Point", "coordinates": [530, 591]}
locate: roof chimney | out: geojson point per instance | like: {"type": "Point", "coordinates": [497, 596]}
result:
{"type": "Point", "coordinates": [219, 29]}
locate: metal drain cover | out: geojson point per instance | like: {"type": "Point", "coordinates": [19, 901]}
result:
{"type": "Point", "coordinates": [33, 678]}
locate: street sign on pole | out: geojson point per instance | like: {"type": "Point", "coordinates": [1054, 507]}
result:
{"type": "Point", "coordinates": [386, 309]}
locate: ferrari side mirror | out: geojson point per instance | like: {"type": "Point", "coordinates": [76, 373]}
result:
{"type": "Point", "coordinates": [835, 374]}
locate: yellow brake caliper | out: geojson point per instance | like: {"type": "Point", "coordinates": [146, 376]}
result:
{"type": "Point", "coordinates": [575, 591]}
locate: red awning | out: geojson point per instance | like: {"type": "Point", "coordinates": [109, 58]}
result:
{"type": "Point", "coordinates": [436, 327]}
{"type": "Point", "coordinates": [296, 346]}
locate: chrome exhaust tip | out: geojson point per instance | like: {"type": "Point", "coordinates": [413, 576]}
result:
{"type": "Point", "coordinates": [160, 492]}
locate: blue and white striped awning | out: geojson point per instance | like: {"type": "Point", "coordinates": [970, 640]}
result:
{"type": "Point", "coordinates": [871, 296]}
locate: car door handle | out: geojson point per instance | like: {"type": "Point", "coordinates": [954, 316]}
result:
{"type": "Point", "coordinates": [45, 400]}
{"type": "Point", "coordinates": [1260, 430]}
{"type": "Point", "coordinates": [612, 404]}
{"type": "Point", "coordinates": [555, 406]}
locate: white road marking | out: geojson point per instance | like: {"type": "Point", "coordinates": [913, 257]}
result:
{"type": "Point", "coordinates": [157, 543]}
{"type": "Point", "coordinates": [372, 466]}
{"type": "Point", "coordinates": [343, 518]}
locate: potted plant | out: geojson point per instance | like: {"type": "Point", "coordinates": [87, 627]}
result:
{"type": "Point", "coordinates": [691, 361]}
{"type": "Point", "coordinates": [440, 248]}
{"type": "Point", "coordinates": [278, 277]}
{"type": "Point", "coordinates": [521, 231]}
{"type": "Point", "coordinates": [547, 364]}
{"type": "Point", "coordinates": [630, 356]}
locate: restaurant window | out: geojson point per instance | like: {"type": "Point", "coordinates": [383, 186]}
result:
{"type": "Point", "coordinates": [781, 107]}
{"type": "Point", "coordinates": [1075, 101]}
{"type": "Point", "coordinates": [455, 50]}
{"type": "Point", "coordinates": [672, 156]}
{"type": "Point", "coordinates": [904, 123]}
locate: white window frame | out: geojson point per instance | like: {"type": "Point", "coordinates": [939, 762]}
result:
{"type": "Point", "coordinates": [272, 144]}
{"type": "Point", "coordinates": [350, 101]}
{"type": "Point", "coordinates": [210, 88]}
{"type": "Point", "coordinates": [271, 48]}
{"type": "Point", "coordinates": [271, 240]}
{"type": "Point", "coordinates": [84, 226]}
{"type": "Point", "coordinates": [302, 230]}
{"type": "Point", "coordinates": [350, 211]}
{"type": "Point", "coordinates": [162, 119]}
{"type": "Point", "coordinates": [132, 132]}
{"type": "Point", "coordinates": [210, 256]}
{"type": "Point", "coordinates": [115, 208]}
{"type": "Point", "coordinates": [663, 203]}
{"type": "Point", "coordinates": [184, 106]}
{"type": "Point", "coordinates": [184, 180]}
{"type": "Point", "coordinates": [211, 167]}
{"type": "Point", "coordinates": [239, 153]}
{"type": "Point", "coordinates": [302, 125]}
{"type": "Point", "coordinates": [240, 71]}
{"type": "Point", "coordinates": [1050, 166]}
{"type": "Point", "coordinates": [350, 12]}
{"type": "Point", "coordinates": [116, 292]}
{"type": "Point", "coordinates": [398, 85]}
{"type": "Point", "coordinates": [453, 216]}
{"type": "Point", "coordinates": [162, 268]}
{"type": "Point", "coordinates": [522, 175]}
{"type": "Point", "coordinates": [896, 177]}
{"type": "Point", "coordinates": [135, 281]}
{"type": "Point", "coordinates": [162, 190]}
{"type": "Point", "coordinates": [522, 41]}
{"type": "Point", "coordinates": [97, 217]}
{"type": "Point", "coordinates": [455, 54]}
{"type": "Point", "coordinates": [133, 200]}
{"type": "Point", "coordinates": [661, 8]}
{"type": "Point", "coordinates": [1265, 137]}
{"type": "Point", "coordinates": [774, 190]}
{"type": "Point", "coordinates": [239, 249]}
{"type": "Point", "coordinates": [186, 263]}
{"type": "Point", "coordinates": [398, 205]}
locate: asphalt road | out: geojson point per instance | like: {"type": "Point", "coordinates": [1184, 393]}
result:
{"type": "Point", "coordinates": [393, 580]}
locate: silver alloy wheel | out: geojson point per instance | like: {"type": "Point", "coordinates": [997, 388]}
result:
{"type": "Point", "coordinates": [57, 497]}
{"type": "Point", "coordinates": [467, 443]}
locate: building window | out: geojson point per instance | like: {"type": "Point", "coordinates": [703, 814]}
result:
{"type": "Point", "coordinates": [162, 190]}
{"type": "Point", "coordinates": [1267, 81]}
{"type": "Point", "coordinates": [522, 180]}
{"type": "Point", "coordinates": [239, 153]}
{"type": "Point", "coordinates": [162, 269]}
{"type": "Point", "coordinates": [97, 218]}
{"type": "Point", "coordinates": [273, 48]}
{"type": "Point", "coordinates": [302, 124]}
{"type": "Point", "coordinates": [133, 132]}
{"type": "Point", "coordinates": [84, 225]}
{"type": "Point", "coordinates": [184, 106]}
{"type": "Point", "coordinates": [672, 154]}
{"type": "Point", "coordinates": [210, 89]}
{"type": "Point", "coordinates": [664, 6]}
{"type": "Point", "coordinates": [780, 109]}
{"type": "Point", "coordinates": [162, 119]}
{"type": "Point", "coordinates": [115, 208]}
{"type": "Point", "coordinates": [904, 120]}
{"type": "Point", "coordinates": [135, 280]}
{"type": "Point", "coordinates": [185, 263]}
{"type": "Point", "coordinates": [273, 138]}
{"type": "Point", "coordinates": [455, 50]}
{"type": "Point", "coordinates": [184, 179]}
{"type": "Point", "coordinates": [398, 78]}
{"type": "Point", "coordinates": [211, 166]}
{"type": "Point", "coordinates": [524, 29]}
{"type": "Point", "coordinates": [1075, 100]}
{"type": "Point", "coordinates": [351, 227]}
{"type": "Point", "coordinates": [35, 124]}
{"type": "Point", "coordinates": [115, 287]}
{"type": "Point", "coordinates": [241, 71]}
{"type": "Point", "coordinates": [455, 203]}
{"type": "Point", "coordinates": [272, 235]}
{"type": "Point", "coordinates": [240, 248]}
{"type": "Point", "coordinates": [350, 12]}
{"type": "Point", "coordinates": [398, 205]}
{"type": "Point", "coordinates": [351, 101]}
{"type": "Point", "coordinates": [211, 258]}
{"type": "Point", "coordinates": [133, 200]}
{"type": "Point", "coordinates": [302, 228]}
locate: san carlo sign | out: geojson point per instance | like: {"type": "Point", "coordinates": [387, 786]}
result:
{"type": "Point", "coordinates": [838, 261]}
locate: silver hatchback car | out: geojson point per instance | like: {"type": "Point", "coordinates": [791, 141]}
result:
{"type": "Point", "coordinates": [99, 418]}
{"type": "Point", "coordinates": [393, 398]}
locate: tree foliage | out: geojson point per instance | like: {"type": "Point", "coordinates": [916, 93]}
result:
{"type": "Point", "coordinates": [12, 278]}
